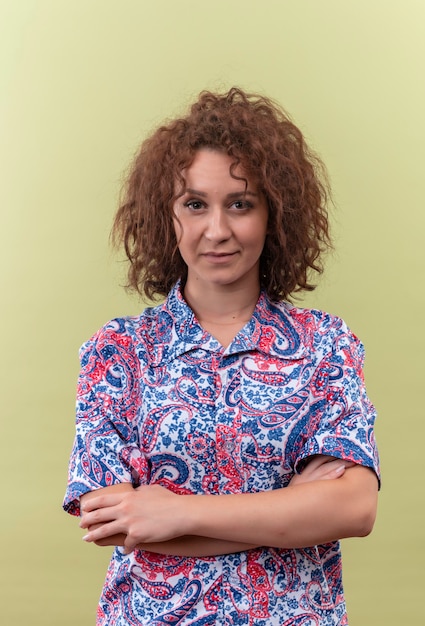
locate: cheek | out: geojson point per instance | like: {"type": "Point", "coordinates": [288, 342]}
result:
{"type": "Point", "coordinates": [178, 229]}
{"type": "Point", "coordinates": [259, 233]}
{"type": "Point", "coordinates": [184, 243]}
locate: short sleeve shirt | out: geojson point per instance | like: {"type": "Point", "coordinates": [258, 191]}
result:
{"type": "Point", "coordinates": [160, 401]}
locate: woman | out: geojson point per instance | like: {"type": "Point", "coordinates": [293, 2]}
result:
{"type": "Point", "coordinates": [224, 438]}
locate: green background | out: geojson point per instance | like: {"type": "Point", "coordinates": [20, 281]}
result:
{"type": "Point", "coordinates": [81, 81]}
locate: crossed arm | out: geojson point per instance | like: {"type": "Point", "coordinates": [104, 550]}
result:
{"type": "Point", "coordinates": [330, 500]}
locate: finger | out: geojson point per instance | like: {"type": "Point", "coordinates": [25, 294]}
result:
{"type": "Point", "coordinates": [323, 464]}
{"type": "Point", "coordinates": [101, 502]}
{"type": "Point", "coordinates": [334, 469]}
{"type": "Point", "coordinates": [103, 531]}
{"type": "Point", "coordinates": [98, 516]}
{"type": "Point", "coordinates": [317, 462]}
{"type": "Point", "coordinates": [130, 544]}
{"type": "Point", "coordinates": [328, 470]}
{"type": "Point", "coordinates": [338, 471]}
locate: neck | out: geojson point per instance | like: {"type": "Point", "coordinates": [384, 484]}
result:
{"type": "Point", "coordinates": [222, 306]}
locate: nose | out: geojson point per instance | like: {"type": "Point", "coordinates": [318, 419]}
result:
{"type": "Point", "coordinates": [217, 226]}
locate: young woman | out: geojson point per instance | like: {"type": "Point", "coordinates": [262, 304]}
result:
{"type": "Point", "coordinates": [224, 437]}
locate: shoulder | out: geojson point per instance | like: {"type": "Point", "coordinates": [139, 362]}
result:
{"type": "Point", "coordinates": [313, 320]}
{"type": "Point", "coordinates": [318, 331]}
{"type": "Point", "coordinates": [125, 337]}
{"type": "Point", "coordinates": [158, 332]}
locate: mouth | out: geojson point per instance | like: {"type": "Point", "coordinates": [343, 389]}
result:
{"type": "Point", "coordinates": [218, 257]}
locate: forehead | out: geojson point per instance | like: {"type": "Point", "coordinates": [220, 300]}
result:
{"type": "Point", "coordinates": [209, 165]}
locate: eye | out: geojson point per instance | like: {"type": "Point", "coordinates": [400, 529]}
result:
{"type": "Point", "coordinates": [194, 205]}
{"type": "Point", "coordinates": [242, 205]}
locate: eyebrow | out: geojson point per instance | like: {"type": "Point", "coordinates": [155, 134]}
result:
{"type": "Point", "coordinates": [234, 194]}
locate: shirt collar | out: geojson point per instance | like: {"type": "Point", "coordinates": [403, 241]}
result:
{"type": "Point", "coordinates": [272, 331]}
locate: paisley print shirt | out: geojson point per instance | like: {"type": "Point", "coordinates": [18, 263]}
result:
{"type": "Point", "coordinates": [161, 401]}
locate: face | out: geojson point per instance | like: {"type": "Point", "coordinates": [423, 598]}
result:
{"type": "Point", "coordinates": [220, 224]}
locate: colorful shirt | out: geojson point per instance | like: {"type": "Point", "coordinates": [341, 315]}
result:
{"type": "Point", "coordinates": [161, 401]}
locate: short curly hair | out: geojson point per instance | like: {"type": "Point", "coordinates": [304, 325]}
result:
{"type": "Point", "coordinates": [259, 135]}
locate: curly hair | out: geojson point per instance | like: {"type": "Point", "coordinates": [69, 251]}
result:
{"type": "Point", "coordinates": [258, 135]}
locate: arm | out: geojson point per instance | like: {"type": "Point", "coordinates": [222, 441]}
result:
{"type": "Point", "coordinates": [312, 510]}
{"type": "Point", "coordinates": [300, 516]}
{"type": "Point", "coordinates": [181, 546]}
{"type": "Point", "coordinates": [319, 468]}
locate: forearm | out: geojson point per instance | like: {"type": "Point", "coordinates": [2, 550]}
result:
{"type": "Point", "coordinates": [295, 517]}
{"type": "Point", "coordinates": [308, 512]}
{"type": "Point", "coordinates": [194, 546]}
{"type": "Point", "coordinates": [191, 546]}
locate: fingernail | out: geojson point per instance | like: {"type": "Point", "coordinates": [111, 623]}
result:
{"type": "Point", "coordinates": [85, 538]}
{"type": "Point", "coordinates": [340, 469]}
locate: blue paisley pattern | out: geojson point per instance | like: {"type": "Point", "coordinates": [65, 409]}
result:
{"type": "Point", "coordinates": [161, 401]}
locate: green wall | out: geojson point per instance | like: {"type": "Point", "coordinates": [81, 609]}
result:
{"type": "Point", "coordinates": [81, 81]}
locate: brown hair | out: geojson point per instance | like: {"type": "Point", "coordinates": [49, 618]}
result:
{"type": "Point", "coordinates": [260, 137]}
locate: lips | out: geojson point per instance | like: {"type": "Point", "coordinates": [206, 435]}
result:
{"type": "Point", "coordinates": [218, 257]}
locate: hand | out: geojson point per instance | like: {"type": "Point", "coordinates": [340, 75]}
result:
{"type": "Point", "coordinates": [321, 467]}
{"type": "Point", "coordinates": [148, 514]}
